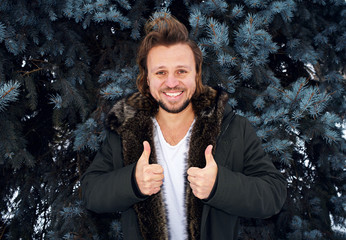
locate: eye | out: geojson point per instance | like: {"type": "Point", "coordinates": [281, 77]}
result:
{"type": "Point", "coordinates": [160, 73]}
{"type": "Point", "coordinates": [181, 71]}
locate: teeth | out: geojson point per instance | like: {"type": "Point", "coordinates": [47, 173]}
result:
{"type": "Point", "coordinates": [173, 94]}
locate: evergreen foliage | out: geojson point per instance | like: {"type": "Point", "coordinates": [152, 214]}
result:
{"type": "Point", "coordinates": [64, 63]}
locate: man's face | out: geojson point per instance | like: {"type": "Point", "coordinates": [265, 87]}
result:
{"type": "Point", "coordinates": [172, 76]}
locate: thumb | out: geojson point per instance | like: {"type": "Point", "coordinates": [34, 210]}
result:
{"type": "Point", "coordinates": [144, 159]}
{"type": "Point", "coordinates": [209, 159]}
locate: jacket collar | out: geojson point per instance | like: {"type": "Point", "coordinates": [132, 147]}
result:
{"type": "Point", "coordinates": [131, 118]}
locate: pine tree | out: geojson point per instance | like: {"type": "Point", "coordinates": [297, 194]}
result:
{"type": "Point", "coordinates": [64, 63]}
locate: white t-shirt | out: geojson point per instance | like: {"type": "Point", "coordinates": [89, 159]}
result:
{"type": "Point", "coordinates": [173, 159]}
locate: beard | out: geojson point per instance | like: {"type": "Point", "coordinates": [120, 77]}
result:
{"type": "Point", "coordinates": [174, 110]}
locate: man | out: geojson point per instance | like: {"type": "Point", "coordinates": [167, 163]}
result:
{"type": "Point", "coordinates": [177, 162]}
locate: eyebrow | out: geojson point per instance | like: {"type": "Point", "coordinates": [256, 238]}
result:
{"type": "Point", "coordinates": [163, 67]}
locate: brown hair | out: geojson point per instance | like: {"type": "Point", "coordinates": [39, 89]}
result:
{"type": "Point", "coordinates": [166, 31]}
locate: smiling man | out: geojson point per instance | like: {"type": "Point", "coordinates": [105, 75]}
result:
{"type": "Point", "coordinates": [172, 77]}
{"type": "Point", "coordinates": [177, 162]}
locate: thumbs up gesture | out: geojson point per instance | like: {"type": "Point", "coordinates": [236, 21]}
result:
{"type": "Point", "coordinates": [202, 180]}
{"type": "Point", "coordinates": [148, 176]}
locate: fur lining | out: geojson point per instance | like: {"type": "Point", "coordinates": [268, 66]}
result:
{"type": "Point", "coordinates": [131, 119]}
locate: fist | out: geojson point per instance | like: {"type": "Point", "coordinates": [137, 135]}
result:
{"type": "Point", "coordinates": [149, 177]}
{"type": "Point", "coordinates": [202, 180]}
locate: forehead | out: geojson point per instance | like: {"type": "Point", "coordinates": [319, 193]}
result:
{"type": "Point", "coordinates": [173, 55]}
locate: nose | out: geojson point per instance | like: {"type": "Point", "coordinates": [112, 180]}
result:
{"type": "Point", "coordinates": [171, 81]}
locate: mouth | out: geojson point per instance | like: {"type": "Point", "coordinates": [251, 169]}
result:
{"type": "Point", "coordinates": [173, 94]}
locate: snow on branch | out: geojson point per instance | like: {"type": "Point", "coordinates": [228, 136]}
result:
{"type": "Point", "coordinates": [8, 93]}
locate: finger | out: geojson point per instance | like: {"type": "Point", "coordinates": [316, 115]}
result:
{"type": "Point", "coordinates": [156, 168]}
{"type": "Point", "coordinates": [148, 185]}
{"type": "Point", "coordinates": [193, 186]}
{"type": "Point", "coordinates": [193, 171]}
{"type": "Point", "coordinates": [208, 155]}
{"type": "Point", "coordinates": [190, 179]}
{"type": "Point", "coordinates": [144, 159]}
{"type": "Point", "coordinates": [155, 190]}
{"type": "Point", "coordinates": [157, 177]}
{"type": "Point", "coordinates": [196, 193]}
{"type": "Point", "coordinates": [154, 184]}
{"type": "Point", "coordinates": [146, 150]}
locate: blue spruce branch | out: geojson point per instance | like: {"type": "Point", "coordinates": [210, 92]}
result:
{"type": "Point", "coordinates": [8, 93]}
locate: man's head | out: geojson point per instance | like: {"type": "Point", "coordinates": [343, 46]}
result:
{"type": "Point", "coordinates": [166, 31]}
{"type": "Point", "coordinates": [172, 76]}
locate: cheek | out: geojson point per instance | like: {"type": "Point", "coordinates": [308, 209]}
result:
{"type": "Point", "coordinates": [191, 85]}
{"type": "Point", "coordinates": [154, 87]}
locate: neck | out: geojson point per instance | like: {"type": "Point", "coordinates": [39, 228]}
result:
{"type": "Point", "coordinates": [174, 126]}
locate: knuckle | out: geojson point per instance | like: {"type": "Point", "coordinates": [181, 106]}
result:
{"type": "Point", "coordinates": [146, 168]}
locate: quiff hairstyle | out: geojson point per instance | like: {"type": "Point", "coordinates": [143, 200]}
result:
{"type": "Point", "coordinates": [166, 31]}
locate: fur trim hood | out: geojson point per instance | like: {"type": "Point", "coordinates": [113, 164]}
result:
{"type": "Point", "coordinates": [131, 118]}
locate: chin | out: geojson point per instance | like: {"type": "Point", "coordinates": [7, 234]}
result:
{"type": "Point", "coordinates": [174, 109]}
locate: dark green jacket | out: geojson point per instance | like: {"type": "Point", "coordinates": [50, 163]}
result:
{"type": "Point", "coordinates": [247, 183]}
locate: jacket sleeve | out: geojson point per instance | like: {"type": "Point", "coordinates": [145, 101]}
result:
{"type": "Point", "coordinates": [107, 186]}
{"type": "Point", "coordinates": [256, 189]}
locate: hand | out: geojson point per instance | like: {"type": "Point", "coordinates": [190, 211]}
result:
{"type": "Point", "coordinates": [202, 180]}
{"type": "Point", "coordinates": [149, 177]}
